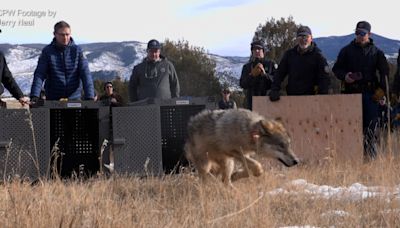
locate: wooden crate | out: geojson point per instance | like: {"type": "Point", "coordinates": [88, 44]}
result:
{"type": "Point", "coordinates": [322, 127]}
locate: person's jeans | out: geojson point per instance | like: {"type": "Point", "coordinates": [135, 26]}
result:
{"type": "Point", "coordinates": [371, 114]}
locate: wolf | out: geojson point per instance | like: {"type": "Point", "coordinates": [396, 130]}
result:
{"type": "Point", "coordinates": [218, 138]}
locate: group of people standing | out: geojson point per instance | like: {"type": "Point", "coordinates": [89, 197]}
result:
{"type": "Point", "coordinates": [360, 66]}
{"type": "Point", "coordinates": [63, 71]}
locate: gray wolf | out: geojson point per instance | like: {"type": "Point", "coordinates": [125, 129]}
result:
{"type": "Point", "coordinates": [218, 138]}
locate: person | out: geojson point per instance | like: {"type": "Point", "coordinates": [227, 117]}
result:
{"type": "Point", "coordinates": [305, 66]}
{"type": "Point", "coordinates": [356, 66]}
{"type": "Point", "coordinates": [62, 68]}
{"type": "Point", "coordinates": [256, 76]}
{"type": "Point", "coordinates": [110, 97]}
{"type": "Point", "coordinates": [8, 81]}
{"type": "Point", "coordinates": [226, 102]}
{"type": "Point", "coordinates": [154, 77]}
{"type": "Point", "coordinates": [396, 82]}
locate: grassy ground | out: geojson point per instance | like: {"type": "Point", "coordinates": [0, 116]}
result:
{"type": "Point", "coordinates": [183, 201]}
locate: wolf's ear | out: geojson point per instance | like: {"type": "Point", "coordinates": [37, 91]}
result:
{"type": "Point", "coordinates": [265, 127]}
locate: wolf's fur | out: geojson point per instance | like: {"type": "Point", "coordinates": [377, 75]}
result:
{"type": "Point", "coordinates": [217, 138]}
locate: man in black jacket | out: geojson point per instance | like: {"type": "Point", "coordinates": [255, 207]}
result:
{"type": "Point", "coordinates": [226, 102]}
{"type": "Point", "coordinates": [356, 66]}
{"type": "Point", "coordinates": [8, 81]}
{"type": "Point", "coordinates": [256, 77]}
{"type": "Point", "coordinates": [306, 67]}
{"type": "Point", "coordinates": [110, 97]}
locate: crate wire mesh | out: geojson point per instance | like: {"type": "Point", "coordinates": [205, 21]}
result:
{"type": "Point", "coordinates": [77, 133]}
{"type": "Point", "coordinates": [137, 140]}
{"type": "Point", "coordinates": [174, 120]}
{"type": "Point", "coordinates": [24, 145]}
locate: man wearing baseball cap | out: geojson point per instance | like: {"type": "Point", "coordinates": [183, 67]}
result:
{"type": "Point", "coordinates": [356, 66]}
{"type": "Point", "coordinates": [8, 81]}
{"type": "Point", "coordinates": [257, 73]}
{"type": "Point", "coordinates": [305, 66]}
{"type": "Point", "coordinates": [155, 77]}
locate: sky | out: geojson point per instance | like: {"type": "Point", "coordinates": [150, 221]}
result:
{"type": "Point", "coordinates": [223, 27]}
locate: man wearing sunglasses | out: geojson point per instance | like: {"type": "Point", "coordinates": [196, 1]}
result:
{"type": "Point", "coordinates": [226, 102]}
{"type": "Point", "coordinates": [62, 68]}
{"type": "Point", "coordinates": [306, 67]}
{"type": "Point", "coordinates": [110, 97]}
{"type": "Point", "coordinates": [356, 66]}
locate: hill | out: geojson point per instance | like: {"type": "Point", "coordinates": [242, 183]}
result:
{"type": "Point", "coordinates": [111, 59]}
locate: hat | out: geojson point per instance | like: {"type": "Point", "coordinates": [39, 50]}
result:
{"type": "Point", "coordinates": [304, 31]}
{"type": "Point", "coordinates": [226, 90]}
{"type": "Point", "coordinates": [363, 26]}
{"type": "Point", "coordinates": [257, 44]}
{"type": "Point", "coordinates": [153, 44]}
{"type": "Point", "coordinates": [107, 83]}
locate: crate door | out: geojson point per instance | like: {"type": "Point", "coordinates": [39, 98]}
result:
{"type": "Point", "coordinates": [24, 143]}
{"type": "Point", "coordinates": [137, 140]}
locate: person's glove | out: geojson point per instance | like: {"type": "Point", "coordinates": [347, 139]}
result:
{"type": "Point", "coordinates": [379, 94]}
{"type": "Point", "coordinates": [34, 102]}
{"type": "Point", "coordinates": [256, 70]}
{"type": "Point", "coordinates": [274, 95]}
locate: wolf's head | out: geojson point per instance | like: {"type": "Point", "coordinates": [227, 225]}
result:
{"type": "Point", "coordinates": [274, 142]}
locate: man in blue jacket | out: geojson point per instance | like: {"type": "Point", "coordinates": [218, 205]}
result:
{"type": "Point", "coordinates": [62, 68]}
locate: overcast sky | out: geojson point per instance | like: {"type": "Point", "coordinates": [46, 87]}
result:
{"type": "Point", "coordinates": [222, 27]}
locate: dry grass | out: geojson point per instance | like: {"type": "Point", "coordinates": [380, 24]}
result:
{"type": "Point", "coordinates": [182, 201]}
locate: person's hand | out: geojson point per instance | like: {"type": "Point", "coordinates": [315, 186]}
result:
{"type": "Point", "coordinates": [379, 95]}
{"type": "Point", "coordinates": [256, 71]}
{"type": "Point", "coordinates": [382, 101]}
{"type": "Point", "coordinates": [274, 95]}
{"type": "Point", "coordinates": [34, 100]}
{"type": "Point", "coordinates": [261, 67]}
{"type": "Point", "coordinates": [113, 100]}
{"type": "Point", "coordinates": [24, 101]}
{"type": "Point", "coordinates": [348, 79]}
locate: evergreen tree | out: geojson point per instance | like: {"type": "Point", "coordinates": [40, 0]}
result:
{"type": "Point", "coordinates": [195, 69]}
{"type": "Point", "coordinates": [278, 36]}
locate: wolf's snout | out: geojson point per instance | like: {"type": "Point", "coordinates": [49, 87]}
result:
{"type": "Point", "coordinates": [289, 163]}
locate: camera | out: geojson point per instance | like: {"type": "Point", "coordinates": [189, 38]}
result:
{"type": "Point", "coordinates": [356, 76]}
